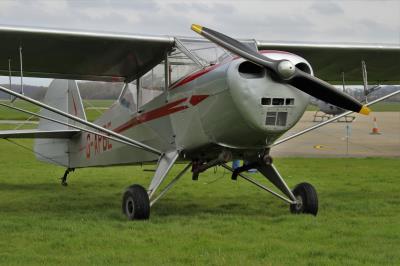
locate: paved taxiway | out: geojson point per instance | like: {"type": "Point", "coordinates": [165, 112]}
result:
{"type": "Point", "coordinates": [330, 140]}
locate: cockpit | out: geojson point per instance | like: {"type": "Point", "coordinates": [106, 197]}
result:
{"type": "Point", "coordinates": [187, 56]}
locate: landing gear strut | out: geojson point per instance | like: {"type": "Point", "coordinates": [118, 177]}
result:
{"type": "Point", "coordinates": [136, 201]}
{"type": "Point", "coordinates": [303, 198]}
{"type": "Point", "coordinates": [64, 178]}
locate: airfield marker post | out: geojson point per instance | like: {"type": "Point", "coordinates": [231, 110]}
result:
{"type": "Point", "coordinates": [348, 134]}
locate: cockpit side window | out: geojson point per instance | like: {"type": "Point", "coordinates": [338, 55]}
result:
{"type": "Point", "coordinates": [152, 83]}
{"type": "Point", "coordinates": [128, 99]}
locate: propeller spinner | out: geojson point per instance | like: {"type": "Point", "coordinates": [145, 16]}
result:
{"type": "Point", "coordinates": [286, 72]}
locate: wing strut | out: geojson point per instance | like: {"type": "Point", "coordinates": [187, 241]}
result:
{"type": "Point", "coordinates": [87, 123]}
{"type": "Point", "coordinates": [69, 125]}
{"type": "Point", "coordinates": [330, 120]}
{"type": "Point", "coordinates": [164, 164]}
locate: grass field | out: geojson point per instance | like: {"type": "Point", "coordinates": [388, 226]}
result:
{"type": "Point", "coordinates": [91, 112]}
{"type": "Point", "coordinates": [214, 221]}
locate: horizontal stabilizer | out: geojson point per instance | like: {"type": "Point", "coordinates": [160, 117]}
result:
{"type": "Point", "coordinates": [39, 134]}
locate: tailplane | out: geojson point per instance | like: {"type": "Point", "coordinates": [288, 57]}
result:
{"type": "Point", "coordinates": [63, 95]}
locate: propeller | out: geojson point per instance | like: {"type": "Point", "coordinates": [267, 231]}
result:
{"type": "Point", "coordinates": [286, 72]}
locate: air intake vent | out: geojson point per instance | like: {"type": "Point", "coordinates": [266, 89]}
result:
{"type": "Point", "coordinates": [276, 119]}
{"type": "Point", "coordinates": [251, 71]}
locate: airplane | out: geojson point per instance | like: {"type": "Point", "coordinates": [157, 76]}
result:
{"type": "Point", "coordinates": [329, 110]}
{"type": "Point", "coordinates": [203, 101]}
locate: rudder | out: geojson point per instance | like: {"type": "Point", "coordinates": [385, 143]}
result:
{"type": "Point", "coordinates": [63, 95]}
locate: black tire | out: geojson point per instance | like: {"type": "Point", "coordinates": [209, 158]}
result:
{"type": "Point", "coordinates": [307, 195]}
{"type": "Point", "coordinates": [135, 203]}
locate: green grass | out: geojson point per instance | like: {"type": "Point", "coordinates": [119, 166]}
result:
{"type": "Point", "coordinates": [386, 107]}
{"type": "Point", "coordinates": [10, 114]}
{"type": "Point", "coordinates": [213, 221]}
{"type": "Point", "coordinates": [91, 113]}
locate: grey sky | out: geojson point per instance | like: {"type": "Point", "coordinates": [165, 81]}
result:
{"type": "Point", "coordinates": [316, 21]}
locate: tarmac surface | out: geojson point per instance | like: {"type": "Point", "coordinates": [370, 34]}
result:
{"type": "Point", "coordinates": [331, 140]}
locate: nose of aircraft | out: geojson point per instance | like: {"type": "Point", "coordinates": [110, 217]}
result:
{"type": "Point", "coordinates": [269, 107]}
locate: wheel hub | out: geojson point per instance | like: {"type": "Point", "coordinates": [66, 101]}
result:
{"type": "Point", "coordinates": [130, 206]}
{"type": "Point", "coordinates": [299, 203]}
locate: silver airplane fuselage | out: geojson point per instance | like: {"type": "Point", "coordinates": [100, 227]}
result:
{"type": "Point", "coordinates": [235, 106]}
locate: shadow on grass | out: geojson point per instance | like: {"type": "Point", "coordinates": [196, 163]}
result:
{"type": "Point", "coordinates": [105, 202]}
{"type": "Point", "coordinates": [219, 206]}
{"type": "Point", "coordinates": [27, 187]}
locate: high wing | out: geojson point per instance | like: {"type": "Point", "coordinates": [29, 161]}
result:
{"type": "Point", "coordinates": [103, 56]}
{"type": "Point", "coordinates": [34, 133]}
{"type": "Point", "coordinates": [330, 60]}
{"type": "Point", "coordinates": [80, 55]}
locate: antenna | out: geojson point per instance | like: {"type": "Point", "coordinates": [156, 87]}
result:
{"type": "Point", "coordinates": [343, 83]}
{"type": "Point", "coordinates": [9, 78]}
{"type": "Point", "coordinates": [365, 79]}
{"type": "Point", "coordinates": [22, 76]}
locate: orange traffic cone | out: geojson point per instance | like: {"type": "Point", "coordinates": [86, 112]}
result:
{"type": "Point", "coordinates": [375, 129]}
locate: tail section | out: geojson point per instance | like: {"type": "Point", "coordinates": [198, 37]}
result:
{"type": "Point", "coordinates": [75, 105]}
{"type": "Point", "coordinates": [63, 95]}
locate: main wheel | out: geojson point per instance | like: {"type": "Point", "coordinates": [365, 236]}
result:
{"type": "Point", "coordinates": [135, 203]}
{"type": "Point", "coordinates": [307, 198]}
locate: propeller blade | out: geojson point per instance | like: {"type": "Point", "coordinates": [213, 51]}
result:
{"type": "Point", "coordinates": [326, 92]}
{"type": "Point", "coordinates": [286, 71]}
{"type": "Point", "coordinates": [236, 47]}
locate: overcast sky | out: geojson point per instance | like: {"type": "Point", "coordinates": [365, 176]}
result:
{"type": "Point", "coordinates": [316, 21]}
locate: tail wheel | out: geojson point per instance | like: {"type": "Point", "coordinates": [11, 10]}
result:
{"type": "Point", "coordinates": [307, 198]}
{"type": "Point", "coordinates": [135, 203]}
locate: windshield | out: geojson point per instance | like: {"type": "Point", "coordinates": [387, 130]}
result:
{"type": "Point", "coordinates": [205, 51]}
{"type": "Point", "coordinates": [180, 65]}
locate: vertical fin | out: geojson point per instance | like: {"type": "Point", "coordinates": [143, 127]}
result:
{"type": "Point", "coordinates": [75, 105]}
{"type": "Point", "coordinates": [63, 95]}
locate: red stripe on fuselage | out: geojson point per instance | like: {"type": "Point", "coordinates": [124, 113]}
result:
{"type": "Point", "coordinates": [196, 99]}
{"type": "Point", "coordinates": [193, 76]}
{"type": "Point", "coordinates": [73, 101]}
{"type": "Point", "coordinates": [154, 114]}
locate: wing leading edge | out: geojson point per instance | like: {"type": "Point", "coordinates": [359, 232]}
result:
{"type": "Point", "coordinates": [34, 133]}
{"type": "Point", "coordinates": [52, 53]}
{"type": "Point", "coordinates": [330, 60]}
{"type": "Point", "coordinates": [80, 55]}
